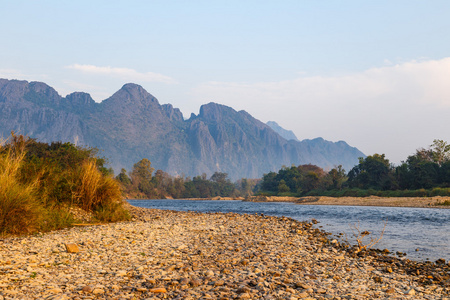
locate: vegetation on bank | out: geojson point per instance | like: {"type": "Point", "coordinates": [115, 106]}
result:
{"type": "Point", "coordinates": [142, 183]}
{"type": "Point", "coordinates": [42, 183]}
{"type": "Point", "coordinates": [424, 174]}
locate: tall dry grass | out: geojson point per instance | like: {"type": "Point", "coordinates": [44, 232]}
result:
{"type": "Point", "coordinates": [98, 193]}
{"type": "Point", "coordinates": [20, 209]}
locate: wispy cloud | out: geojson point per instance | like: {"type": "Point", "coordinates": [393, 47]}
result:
{"type": "Point", "coordinates": [424, 81]}
{"type": "Point", "coordinates": [377, 109]}
{"type": "Point", "coordinates": [123, 73]}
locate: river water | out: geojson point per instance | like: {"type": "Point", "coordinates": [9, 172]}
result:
{"type": "Point", "coordinates": [421, 233]}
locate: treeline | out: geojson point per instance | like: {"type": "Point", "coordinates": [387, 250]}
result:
{"type": "Point", "coordinates": [426, 173]}
{"type": "Point", "coordinates": [141, 182]}
{"type": "Point", "coordinates": [41, 185]}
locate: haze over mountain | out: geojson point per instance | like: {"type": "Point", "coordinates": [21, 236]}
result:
{"type": "Point", "coordinates": [287, 134]}
{"type": "Point", "coordinates": [131, 125]}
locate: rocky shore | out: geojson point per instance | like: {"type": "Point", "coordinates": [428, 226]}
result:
{"type": "Point", "coordinates": [424, 202]}
{"type": "Point", "coordinates": [188, 255]}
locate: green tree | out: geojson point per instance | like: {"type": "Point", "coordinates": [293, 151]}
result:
{"type": "Point", "coordinates": [123, 177]}
{"type": "Point", "coordinates": [440, 152]}
{"type": "Point", "coordinates": [372, 172]}
{"type": "Point", "coordinates": [141, 176]}
{"type": "Point", "coordinates": [270, 182]}
{"type": "Point", "coordinates": [282, 187]}
{"type": "Point", "coordinates": [419, 171]}
{"type": "Point", "coordinates": [337, 177]}
{"type": "Point", "coordinates": [219, 177]}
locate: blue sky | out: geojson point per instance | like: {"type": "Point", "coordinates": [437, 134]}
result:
{"type": "Point", "coordinates": [373, 73]}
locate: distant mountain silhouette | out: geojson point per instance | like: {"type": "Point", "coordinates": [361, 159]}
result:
{"type": "Point", "coordinates": [131, 125]}
{"type": "Point", "coordinates": [287, 134]}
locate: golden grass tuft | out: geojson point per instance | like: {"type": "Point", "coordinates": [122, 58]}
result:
{"type": "Point", "coordinates": [98, 193]}
{"type": "Point", "coordinates": [20, 211]}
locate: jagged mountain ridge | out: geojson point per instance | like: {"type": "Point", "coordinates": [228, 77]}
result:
{"type": "Point", "coordinates": [131, 125]}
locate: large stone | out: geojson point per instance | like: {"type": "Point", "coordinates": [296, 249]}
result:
{"type": "Point", "coordinates": [410, 292]}
{"type": "Point", "coordinates": [158, 290]}
{"type": "Point", "coordinates": [87, 289]}
{"type": "Point", "coordinates": [72, 248]}
{"type": "Point", "coordinates": [55, 291]}
{"type": "Point", "coordinates": [390, 291]}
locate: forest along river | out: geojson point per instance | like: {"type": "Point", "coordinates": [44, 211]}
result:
{"type": "Point", "coordinates": [422, 233]}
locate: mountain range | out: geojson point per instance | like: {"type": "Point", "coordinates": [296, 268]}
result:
{"type": "Point", "coordinates": [132, 124]}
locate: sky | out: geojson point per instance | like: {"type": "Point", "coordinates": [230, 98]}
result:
{"type": "Point", "coordinates": [375, 74]}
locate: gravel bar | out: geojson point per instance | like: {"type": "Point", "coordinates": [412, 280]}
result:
{"type": "Point", "coordinates": [188, 255]}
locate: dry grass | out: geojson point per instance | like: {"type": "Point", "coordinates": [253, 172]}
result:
{"type": "Point", "coordinates": [20, 210]}
{"type": "Point", "coordinates": [98, 193]}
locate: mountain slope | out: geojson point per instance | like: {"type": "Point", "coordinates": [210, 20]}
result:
{"type": "Point", "coordinates": [131, 125]}
{"type": "Point", "coordinates": [286, 134]}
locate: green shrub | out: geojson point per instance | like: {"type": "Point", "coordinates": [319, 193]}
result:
{"type": "Point", "coordinates": [421, 193]}
{"type": "Point", "coordinates": [39, 183]}
{"type": "Point", "coordinates": [352, 193]}
{"type": "Point", "coordinates": [440, 192]}
{"type": "Point", "coordinates": [372, 192]}
{"type": "Point", "coordinates": [56, 217]}
{"type": "Point", "coordinates": [111, 212]}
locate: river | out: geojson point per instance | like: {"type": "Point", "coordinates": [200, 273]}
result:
{"type": "Point", "coordinates": [421, 233]}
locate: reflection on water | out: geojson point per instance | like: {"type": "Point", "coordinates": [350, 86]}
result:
{"type": "Point", "coordinates": [407, 229]}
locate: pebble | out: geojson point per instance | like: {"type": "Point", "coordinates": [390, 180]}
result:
{"type": "Point", "coordinates": [189, 255]}
{"type": "Point", "coordinates": [98, 291]}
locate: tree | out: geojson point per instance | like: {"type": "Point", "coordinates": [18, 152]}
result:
{"type": "Point", "coordinates": [269, 182]}
{"type": "Point", "coordinates": [337, 177]}
{"type": "Point", "coordinates": [440, 152]}
{"type": "Point", "coordinates": [419, 171]}
{"type": "Point", "coordinates": [282, 187]}
{"type": "Point", "coordinates": [141, 176]}
{"type": "Point", "coordinates": [219, 177]}
{"type": "Point", "coordinates": [372, 172]}
{"type": "Point", "coordinates": [123, 177]}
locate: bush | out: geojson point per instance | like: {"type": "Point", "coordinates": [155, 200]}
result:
{"type": "Point", "coordinates": [111, 212]}
{"type": "Point", "coordinates": [56, 217]}
{"type": "Point", "coordinates": [354, 193]}
{"type": "Point", "coordinates": [421, 193]}
{"type": "Point", "coordinates": [39, 183]}
{"type": "Point", "coordinates": [440, 192]}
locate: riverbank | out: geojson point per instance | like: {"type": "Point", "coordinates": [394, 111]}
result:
{"type": "Point", "coordinates": [187, 255]}
{"type": "Point", "coordinates": [434, 202]}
